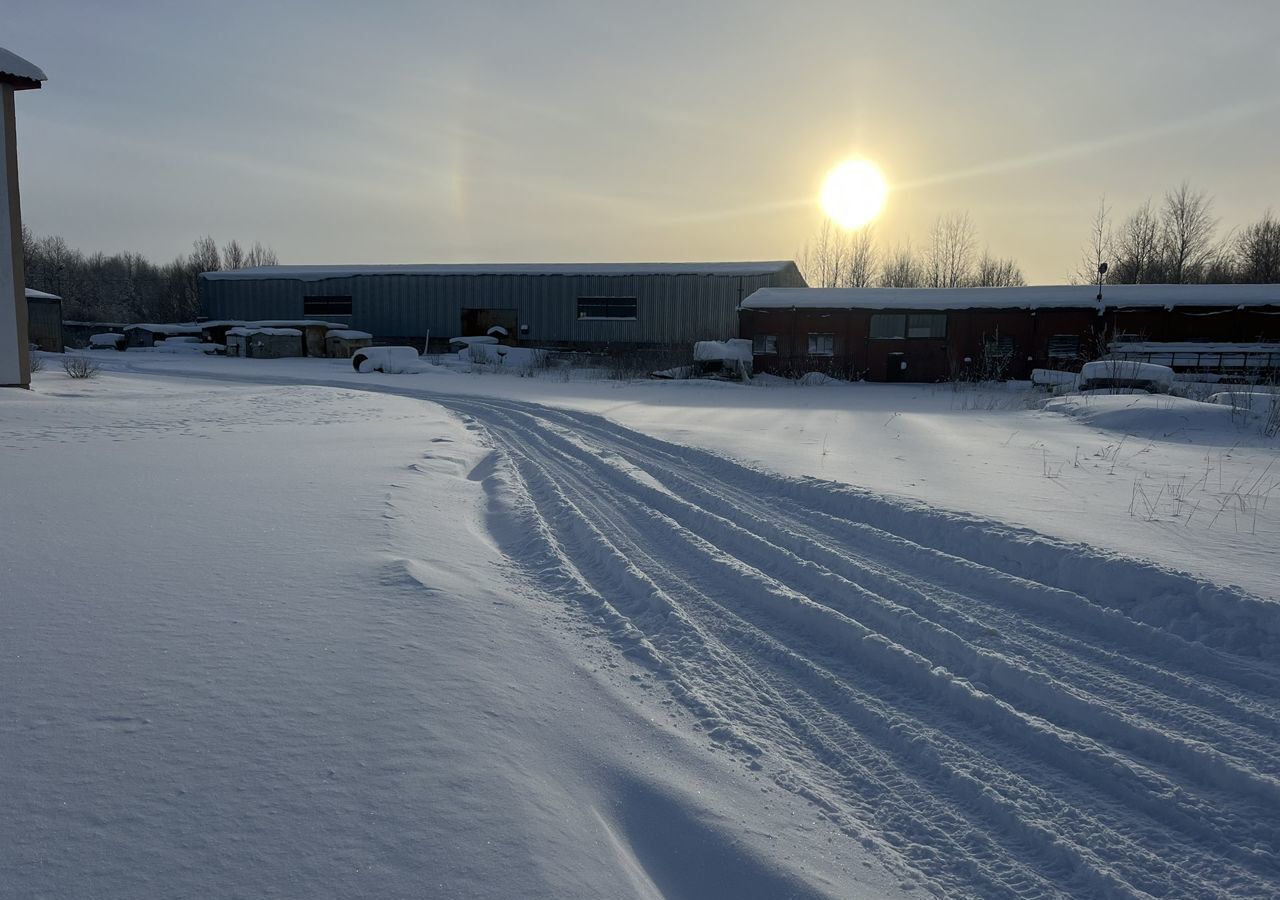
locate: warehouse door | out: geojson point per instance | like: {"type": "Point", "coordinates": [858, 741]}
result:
{"type": "Point", "coordinates": [500, 323]}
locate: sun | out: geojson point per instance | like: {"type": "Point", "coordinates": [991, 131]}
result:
{"type": "Point", "coordinates": [854, 193]}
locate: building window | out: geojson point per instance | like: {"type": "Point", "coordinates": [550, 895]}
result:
{"type": "Point", "coordinates": [896, 326]}
{"type": "Point", "coordinates": [1064, 346]}
{"type": "Point", "coordinates": [606, 307]}
{"type": "Point", "coordinates": [822, 345]}
{"type": "Point", "coordinates": [764, 344]}
{"type": "Point", "coordinates": [888, 326]}
{"type": "Point", "coordinates": [927, 325]}
{"type": "Point", "coordinates": [998, 346]}
{"type": "Point", "coordinates": [319, 307]}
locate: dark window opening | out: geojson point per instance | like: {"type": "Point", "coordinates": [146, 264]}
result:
{"type": "Point", "coordinates": [897, 326]}
{"type": "Point", "coordinates": [822, 345]}
{"type": "Point", "coordinates": [927, 325]}
{"type": "Point", "coordinates": [888, 326]}
{"type": "Point", "coordinates": [606, 307]}
{"type": "Point", "coordinates": [764, 344]}
{"type": "Point", "coordinates": [319, 307]}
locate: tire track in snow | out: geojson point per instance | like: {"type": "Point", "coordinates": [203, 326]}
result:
{"type": "Point", "coordinates": [1003, 736]}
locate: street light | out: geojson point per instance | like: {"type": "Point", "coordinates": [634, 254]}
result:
{"type": "Point", "coordinates": [1102, 270]}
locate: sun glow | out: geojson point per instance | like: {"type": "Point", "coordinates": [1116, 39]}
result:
{"type": "Point", "coordinates": [854, 193]}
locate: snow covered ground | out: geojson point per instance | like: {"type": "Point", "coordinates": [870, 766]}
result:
{"type": "Point", "coordinates": [306, 640]}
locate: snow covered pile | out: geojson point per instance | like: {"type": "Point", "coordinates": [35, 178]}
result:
{"type": "Point", "coordinates": [348, 334]}
{"type": "Point", "coordinates": [1259, 403]}
{"type": "Point", "coordinates": [108, 340]}
{"type": "Point", "coordinates": [388, 360]}
{"type": "Point", "coordinates": [1124, 373]}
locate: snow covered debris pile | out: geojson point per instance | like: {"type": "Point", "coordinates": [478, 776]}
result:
{"type": "Point", "coordinates": [109, 341]}
{"type": "Point", "coordinates": [1257, 402]}
{"type": "Point", "coordinates": [1054, 378]}
{"type": "Point", "coordinates": [1124, 373]}
{"type": "Point", "coordinates": [388, 360]}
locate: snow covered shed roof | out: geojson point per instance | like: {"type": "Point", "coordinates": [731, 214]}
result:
{"type": "Point", "coordinates": [33, 294]}
{"type": "Point", "coordinates": [319, 273]}
{"type": "Point", "coordinates": [1032, 297]}
{"type": "Point", "coordinates": [19, 73]}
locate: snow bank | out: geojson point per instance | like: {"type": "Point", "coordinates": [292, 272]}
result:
{"type": "Point", "coordinates": [735, 350]}
{"type": "Point", "coordinates": [501, 355]}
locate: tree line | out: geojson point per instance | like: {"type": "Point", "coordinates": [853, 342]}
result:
{"type": "Point", "coordinates": [950, 257]}
{"type": "Point", "coordinates": [1179, 241]}
{"type": "Point", "coordinates": [127, 287]}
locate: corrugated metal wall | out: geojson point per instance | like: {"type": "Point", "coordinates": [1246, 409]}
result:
{"type": "Point", "coordinates": [669, 308]}
{"type": "Point", "coordinates": [44, 324]}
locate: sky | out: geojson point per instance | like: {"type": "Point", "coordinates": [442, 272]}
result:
{"type": "Point", "coordinates": [387, 132]}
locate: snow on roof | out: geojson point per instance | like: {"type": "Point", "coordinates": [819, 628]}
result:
{"type": "Point", "coordinates": [249, 331]}
{"type": "Point", "coordinates": [1033, 297]}
{"type": "Point", "coordinates": [15, 66]}
{"type": "Point", "coordinates": [33, 294]}
{"type": "Point", "coordinates": [165, 328]}
{"type": "Point", "coordinates": [348, 334]}
{"type": "Point", "coordinates": [318, 273]}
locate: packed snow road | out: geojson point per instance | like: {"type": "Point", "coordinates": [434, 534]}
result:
{"type": "Point", "coordinates": [1003, 715]}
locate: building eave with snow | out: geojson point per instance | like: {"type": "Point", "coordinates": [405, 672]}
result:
{"type": "Point", "coordinates": [543, 304]}
{"type": "Point", "coordinates": [931, 334]}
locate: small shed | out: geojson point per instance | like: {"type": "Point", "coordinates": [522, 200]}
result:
{"type": "Point", "coordinates": [314, 332]}
{"type": "Point", "coordinates": [147, 334]}
{"type": "Point", "coordinates": [44, 321]}
{"type": "Point", "coordinates": [262, 342]}
{"type": "Point", "coordinates": [340, 343]}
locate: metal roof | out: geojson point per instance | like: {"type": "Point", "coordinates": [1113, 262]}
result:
{"type": "Point", "coordinates": [319, 273]}
{"type": "Point", "coordinates": [14, 67]}
{"type": "Point", "coordinates": [1028, 297]}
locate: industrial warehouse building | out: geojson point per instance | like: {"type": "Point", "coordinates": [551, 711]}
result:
{"type": "Point", "coordinates": [933, 334]}
{"type": "Point", "coordinates": [581, 305]}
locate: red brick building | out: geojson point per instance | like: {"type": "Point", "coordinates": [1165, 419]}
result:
{"type": "Point", "coordinates": [933, 334]}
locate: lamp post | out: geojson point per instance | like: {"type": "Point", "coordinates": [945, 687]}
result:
{"type": "Point", "coordinates": [1102, 270]}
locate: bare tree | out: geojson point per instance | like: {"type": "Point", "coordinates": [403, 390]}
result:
{"type": "Point", "coordinates": [1258, 251]}
{"type": "Point", "coordinates": [863, 259]}
{"type": "Point", "coordinates": [823, 258]}
{"type": "Point", "coordinates": [232, 255]}
{"type": "Point", "coordinates": [1187, 229]}
{"type": "Point", "coordinates": [1099, 248]}
{"type": "Point", "coordinates": [902, 267]}
{"type": "Point", "coordinates": [1137, 248]}
{"type": "Point", "coordinates": [992, 271]}
{"type": "Point", "coordinates": [259, 255]}
{"type": "Point", "coordinates": [949, 258]}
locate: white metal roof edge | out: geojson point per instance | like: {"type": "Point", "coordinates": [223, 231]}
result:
{"type": "Point", "coordinates": [1028, 297]}
{"type": "Point", "coordinates": [318, 273]}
